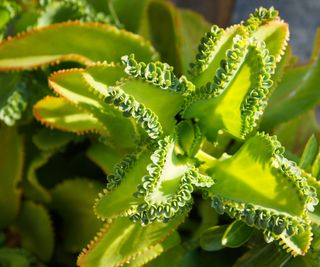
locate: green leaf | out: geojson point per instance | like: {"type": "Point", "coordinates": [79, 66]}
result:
{"type": "Point", "coordinates": [316, 167]}
{"type": "Point", "coordinates": [34, 190]}
{"type": "Point", "coordinates": [264, 256]}
{"type": "Point", "coordinates": [189, 137]}
{"type": "Point", "coordinates": [152, 107]}
{"type": "Point", "coordinates": [166, 190]}
{"type": "Point", "coordinates": [107, 43]}
{"type": "Point", "coordinates": [73, 200]}
{"type": "Point", "coordinates": [35, 229]}
{"type": "Point", "coordinates": [160, 249]}
{"type": "Point", "coordinates": [69, 84]}
{"type": "Point", "coordinates": [236, 99]}
{"type": "Point", "coordinates": [295, 94]}
{"type": "Point", "coordinates": [210, 240]}
{"type": "Point", "coordinates": [177, 36]}
{"type": "Point", "coordinates": [237, 234]}
{"type": "Point", "coordinates": [12, 101]}
{"type": "Point", "coordinates": [8, 82]}
{"type": "Point", "coordinates": [11, 164]}
{"type": "Point", "coordinates": [309, 154]}
{"type": "Point", "coordinates": [56, 112]}
{"type": "Point", "coordinates": [49, 140]}
{"type": "Point", "coordinates": [295, 133]}
{"type": "Point", "coordinates": [275, 34]}
{"type": "Point", "coordinates": [118, 198]}
{"type": "Point", "coordinates": [171, 257]}
{"type": "Point", "coordinates": [105, 156]}
{"type": "Point", "coordinates": [211, 51]}
{"type": "Point", "coordinates": [122, 241]}
{"type": "Point", "coordinates": [130, 13]}
{"type": "Point", "coordinates": [14, 257]}
{"type": "Point", "coordinates": [59, 11]}
{"type": "Point", "coordinates": [265, 190]}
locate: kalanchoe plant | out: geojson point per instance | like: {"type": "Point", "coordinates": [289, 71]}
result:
{"type": "Point", "coordinates": [191, 160]}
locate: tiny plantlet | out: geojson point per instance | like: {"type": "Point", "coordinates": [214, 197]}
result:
{"type": "Point", "coordinates": [118, 130]}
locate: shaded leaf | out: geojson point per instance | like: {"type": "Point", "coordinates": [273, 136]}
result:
{"type": "Point", "coordinates": [73, 200]}
{"type": "Point", "coordinates": [35, 229]}
{"type": "Point", "coordinates": [11, 164]}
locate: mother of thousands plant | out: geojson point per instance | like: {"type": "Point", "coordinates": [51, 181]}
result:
{"type": "Point", "coordinates": [190, 154]}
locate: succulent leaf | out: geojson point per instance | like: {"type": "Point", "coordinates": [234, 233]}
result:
{"type": "Point", "coordinates": [211, 239]}
{"type": "Point", "coordinates": [50, 140]}
{"type": "Point", "coordinates": [15, 257]}
{"type": "Point", "coordinates": [177, 35]}
{"type": "Point", "coordinates": [296, 93]}
{"type": "Point", "coordinates": [152, 108]}
{"type": "Point", "coordinates": [59, 11]}
{"type": "Point", "coordinates": [155, 251]}
{"type": "Point", "coordinates": [237, 97]}
{"type": "Point", "coordinates": [211, 51]}
{"type": "Point", "coordinates": [166, 189]}
{"type": "Point", "coordinates": [11, 166]}
{"type": "Point", "coordinates": [35, 229]}
{"type": "Point", "coordinates": [105, 156]}
{"type": "Point", "coordinates": [156, 73]}
{"type": "Point", "coordinates": [18, 52]}
{"type": "Point", "coordinates": [131, 239]}
{"type": "Point", "coordinates": [70, 85]}
{"type": "Point", "coordinates": [34, 190]}
{"type": "Point", "coordinates": [56, 112]}
{"type": "Point", "coordinates": [117, 199]}
{"type": "Point", "coordinates": [281, 197]}
{"type": "Point", "coordinates": [265, 25]}
{"type": "Point", "coordinates": [236, 234]}
{"type": "Point", "coordinates": [73, 200]}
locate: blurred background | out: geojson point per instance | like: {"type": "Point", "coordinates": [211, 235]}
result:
{"type": "Point", "coordinates": [303, 17]}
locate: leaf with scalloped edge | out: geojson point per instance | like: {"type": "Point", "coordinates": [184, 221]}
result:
{"type": "Point", "coordinates": [314, 216]}
{"type": "Point", "coordinates": [72, 200]}
{"type": "Point", "coordinates": [35, 229]}
{"type": "Point", "coordinates": [118, 199]}
{"type": "Point", "coordinates": [11, 165]}
{"type": "Point", "coordinates": [152, 107]}
{"type": "Point", "coordinates": [166, 189]}
{"type": "Point", "coordinates": [265, 190]}
{"type": "Point", "coordinates": [106, 43]}
{"type": "Point", "coordinates": [211, 51]}
{"type": "Point", "coordinates": [265, 25]}
{"type": "Point", "coordinates": [122, 241]}
{"type": "Point", "coordinates": [236, 99]}
{"type": "Point", "coordinates": [56, 112]}
{"type": "Point", "coordinates": [70, 85]}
